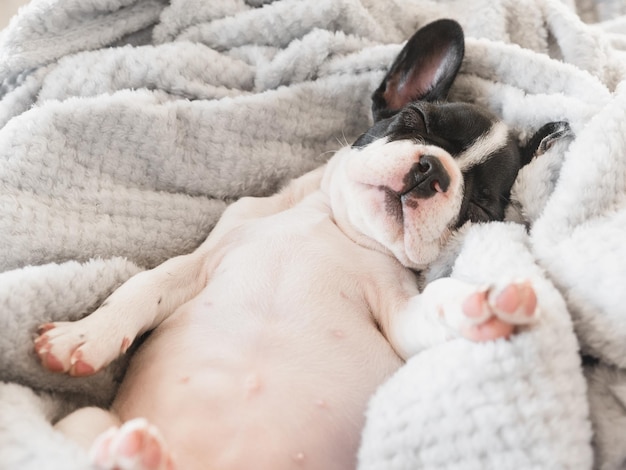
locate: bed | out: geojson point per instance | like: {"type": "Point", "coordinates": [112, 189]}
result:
{"type": "Point", "coordinates": [127, 126]}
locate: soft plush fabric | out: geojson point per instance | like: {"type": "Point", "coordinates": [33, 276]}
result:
{"type": "Point", "coordinates": [128, 125]}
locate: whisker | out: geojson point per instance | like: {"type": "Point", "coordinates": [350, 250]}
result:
{"type": "Point", "coordinates": [342, 141]}
{"type": "Point", "coordinates": [345, 140]}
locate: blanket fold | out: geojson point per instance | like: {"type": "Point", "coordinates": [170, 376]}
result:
{"type": "Point", "coordinates": [127, 126]}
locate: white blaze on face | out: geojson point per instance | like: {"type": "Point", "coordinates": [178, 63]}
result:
{"type": "Point", "coordinates": [364, 186]}
{"type": "Point", "coordinates": [484, 147]}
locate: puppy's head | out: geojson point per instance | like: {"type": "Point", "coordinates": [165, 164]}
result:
{"type": "Point", "coordinates": [426, 166]}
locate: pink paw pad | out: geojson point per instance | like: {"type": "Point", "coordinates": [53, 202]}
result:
{"type": "Point", "coordinates": [136, 445]}
{"type": "Point", "coordinates": [475, 306]}
{"type": "Point", "coordinates": [80, 368]}
{"type": "Point", "coordinates": [77, 366]}
{"type": "Point", "coordinates": [51, 363]}
{"type": "Point", "coordinates": [496, 314]}
{"type": "Point", "coordinates": [42, 348]}
{"type": "Point", "coordinates": [490, 330]}
{"type": "Point", "coordinates": [518, 301]}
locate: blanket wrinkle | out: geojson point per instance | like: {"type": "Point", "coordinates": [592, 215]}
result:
{"type": "Point", "coordinates": [76, 26]}
{"type": "Point", "coordinates": [127, 126]}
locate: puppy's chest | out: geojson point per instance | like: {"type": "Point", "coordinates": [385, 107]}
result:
{"type": "Point", "coordinates": [289, 263]}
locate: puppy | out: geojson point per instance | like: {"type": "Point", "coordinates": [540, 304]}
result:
{"type": "Point", "coordinates": [270, 338]}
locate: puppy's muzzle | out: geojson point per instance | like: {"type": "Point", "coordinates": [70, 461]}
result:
{"type": "Point", "coordinates": [426, 178]}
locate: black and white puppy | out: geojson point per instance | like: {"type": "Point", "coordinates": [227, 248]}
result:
{"type": "Point", "coordinates": [270, 338]}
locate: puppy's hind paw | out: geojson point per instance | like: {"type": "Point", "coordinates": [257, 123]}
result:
{"type": "Point", "coordinates": [136, 445]}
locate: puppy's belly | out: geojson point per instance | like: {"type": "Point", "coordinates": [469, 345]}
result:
{"type": "Point", "coordinates": [233, 392]}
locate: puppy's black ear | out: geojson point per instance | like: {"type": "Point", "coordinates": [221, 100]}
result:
{"type": "Point", "coordinates": [543, 139]}
{"type": "Point", "coordinates": [424, 70]}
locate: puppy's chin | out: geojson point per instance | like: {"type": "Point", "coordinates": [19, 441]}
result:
{"type": "Point", "coordinates": [367, 195]}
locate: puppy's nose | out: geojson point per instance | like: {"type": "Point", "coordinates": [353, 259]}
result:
{"type": "Point", "coordinates": [426, 178]}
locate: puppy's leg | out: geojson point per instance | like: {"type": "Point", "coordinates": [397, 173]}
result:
{"type": "Point", "coordinates": [449, 308]}
{"type": "Point", "coordinates": [84, 425]}
{"type": "Point", "coordinates": [144, 301]}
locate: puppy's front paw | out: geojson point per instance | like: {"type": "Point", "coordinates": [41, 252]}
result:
{"type": "Point", "coordinates": [79, 348]}
{"type": "Point", "coordinates": [494, 313]}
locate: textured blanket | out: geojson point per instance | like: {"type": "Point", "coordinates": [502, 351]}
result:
{"type": "Point", "coordinates": [126, 127]}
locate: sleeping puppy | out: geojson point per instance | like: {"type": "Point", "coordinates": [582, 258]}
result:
{"type": "Point", "coordinates": [270, 338]}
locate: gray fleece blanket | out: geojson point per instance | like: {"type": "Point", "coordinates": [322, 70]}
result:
{"type": "Point", "coordinates": [126, 127]}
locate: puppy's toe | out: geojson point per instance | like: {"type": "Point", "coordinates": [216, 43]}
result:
{"type": "Point", "coordinates": [79, 367]}
{"type": "Point", "coordinates": [52, 347]}
{"type": "Point", "coordinates": [516, 303]}
{"type": "Point", "coordinates": [100, 453]}
{"type": "Point", "coordinates": [476, 307]}
{"type": "Point", "coordinates": [480, 322]}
